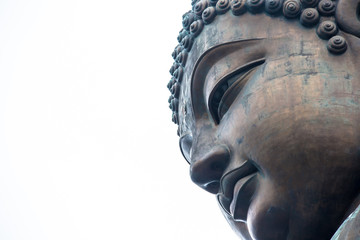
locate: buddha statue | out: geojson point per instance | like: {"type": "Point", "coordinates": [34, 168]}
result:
{"type": "Point", "coordinates": [266, 96]}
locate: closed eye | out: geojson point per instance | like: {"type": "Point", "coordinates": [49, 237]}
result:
{"type": "Point", "coordinates": [229, 87]}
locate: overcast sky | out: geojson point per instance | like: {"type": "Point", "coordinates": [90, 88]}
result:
{"type": "Point", "coordinates": [87, 146]}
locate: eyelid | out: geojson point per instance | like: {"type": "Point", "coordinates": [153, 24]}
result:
{"type": "Point", "coordinates": [240, 70]}
{"type": "Point", "coordinates": [210, 57]}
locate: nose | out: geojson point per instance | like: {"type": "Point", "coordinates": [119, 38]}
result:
{"type": "Point", "coordinates": [206, 171]}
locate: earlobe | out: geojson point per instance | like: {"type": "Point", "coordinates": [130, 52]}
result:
{"type": "Point", "coordinates": [185, 143]}
{"type": "Point", "coordinates": [348, 16]}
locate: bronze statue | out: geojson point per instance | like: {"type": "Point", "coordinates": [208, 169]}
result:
{"type": "Point", "coordinates": [266, 94]}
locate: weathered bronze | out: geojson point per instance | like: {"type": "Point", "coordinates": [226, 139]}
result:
{"type": "Point", "coordinates": [266, 94]}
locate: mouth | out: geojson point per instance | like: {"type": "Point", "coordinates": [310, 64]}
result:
{"type": "Point", "coordinates": [237, 189]}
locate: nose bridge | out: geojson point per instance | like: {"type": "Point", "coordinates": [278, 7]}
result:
{"type": "Point", "coordinates": [209, 161]}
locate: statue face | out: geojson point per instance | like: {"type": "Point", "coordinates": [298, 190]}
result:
{"type": "Point", "coordinates": [270, 123]}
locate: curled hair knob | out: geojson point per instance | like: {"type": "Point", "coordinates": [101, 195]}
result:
{"type": "Point", "coordinates": [213, 2]}
{"type": "Point", "coordinates": [175, 118]}
{"type": "Point", "coordinates": [178, 49]}
{"type": "Point", "coordinates": [178, 74]}
{"type": "Point", "coordinates": [348, 16]}
{"type": "Point", "coordinates": [309, 17]}
{"type": "Point", "coordinates": [326, 7]}
{"type": "Point", "coordinates": [170, 98]}
{"type": "Point", "coordinates": [172, 89]}
{"type": "Point", "coordinates": [196, 27]}
{"type": "Point", "coordinates": [238, 7]}
{"type": "Point", "coordinates": [174, 104]}
{"type": "Point", "coordinates": [273, 6]}
{"type": "Point", "coordinates": [193, 2]}
{"type": "Point", "coordinates": [200, 7]}
{"type": "Point", "coordinates": [188, 19]}
{"type": "Point", "coordinates": [255, 6]}
{"type": "Point", "coordinates": [169, 87]}
{"type": "Point", "coordinates": [327, 29]}
{"type": "Point", "coordinates": [173, 68]}
{"type": "Point", "coordinates": [337, 45]}
{"type": "Point", "coordinates": [291, 8]}
{"type": "Point", "coordinates": [172, 82]}
{"type": "Point", "coordinates": [208, 15]}
{"type": "Point", "coordinates": [222, 6]}
{"type": "Point", "coordinates": [309, 3]}
{"type": "Point", "coordinates": [171, 106]}
{"type": "Point", "coordinates": [181, 58]}
{"type": "Point", "coordinates": [176, 90]}
{"type": "Point", "coordinates": [181, 35]}
{"type": "Point", "coordinates": [187, 42]}
{"type": "Point", "coordinates": [174, 54]}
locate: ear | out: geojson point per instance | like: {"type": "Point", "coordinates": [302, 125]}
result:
{"type": "Point", "coordinates": [348, 16]}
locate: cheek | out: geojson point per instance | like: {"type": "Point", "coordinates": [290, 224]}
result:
{"type": "Point", "coordinates": [261, 109]}
{"type": "Point", "coordinates": [289, 97]}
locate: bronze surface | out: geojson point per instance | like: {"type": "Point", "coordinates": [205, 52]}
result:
{"type": "Point", "coordinates": [268, 107]}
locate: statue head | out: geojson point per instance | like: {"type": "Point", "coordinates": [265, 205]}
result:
{"type": "Point", "coordinates": [266, 94]}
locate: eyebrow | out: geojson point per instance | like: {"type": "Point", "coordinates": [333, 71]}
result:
{"type": "Point", "coordinates": [220, 51]}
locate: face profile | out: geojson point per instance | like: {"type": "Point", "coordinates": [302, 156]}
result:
{"type": "Point", "coordinates": [267, 98]}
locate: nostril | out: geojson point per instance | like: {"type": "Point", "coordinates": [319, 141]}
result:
{"type": "Point", "coordinates": [218, 167]}
{"type": "Point", "coordinates": [208, 170]}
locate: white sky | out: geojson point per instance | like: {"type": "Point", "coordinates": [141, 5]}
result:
{"type": "Point", "coordinates": [87, 146]}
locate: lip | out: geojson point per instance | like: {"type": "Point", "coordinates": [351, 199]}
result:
{"type": "Point", "coordinates": [237, 189]}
